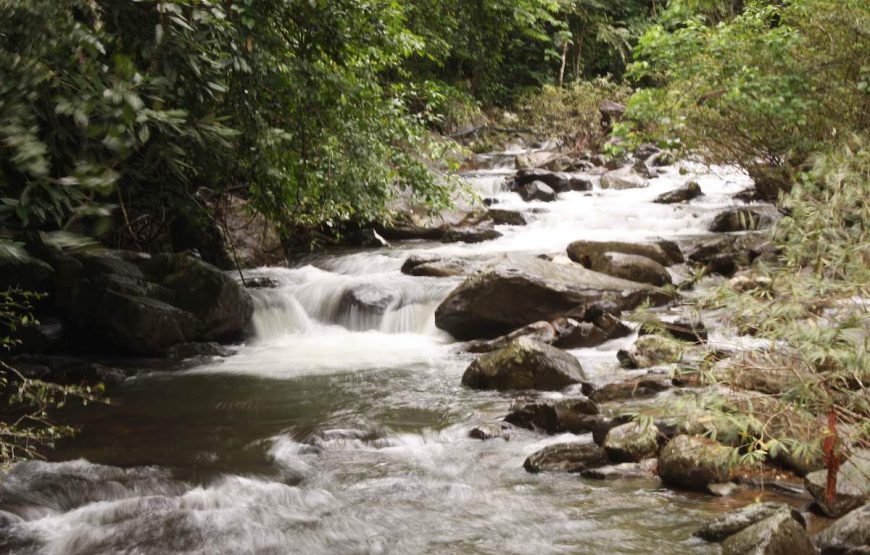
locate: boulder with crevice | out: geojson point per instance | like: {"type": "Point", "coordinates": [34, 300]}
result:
{"type": "Point", "coordinates": [515, 290]}
{"type": "Point", "coordinates": [733, 522]}
{"type": "Point", "coordinates": [780, 534]}
{"type": "Point", "coordinates": [848, 535]}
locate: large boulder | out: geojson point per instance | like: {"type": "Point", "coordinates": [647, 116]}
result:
{"type": "Point", "coordinates": [687, 192]}
{"type": "Point", "coordinates": [506, 217]}
{"type": "Point", "coordinates": [665, 253]}
{"type": "Point", "coordinates": [140, 304]}
{"type": "Point", "coordinates": [780, 534]}
{"type": "Point", "coordinates": [731, 523]}
{"type": "Point", "coordinates": [566, 457]}
{"type": "Point", "coordinates": [853, 486]}
{"type": "Point", "coordinates": [850, 534]}
{"type": "Point", "coordinates": [694, 462]}
{"type": "Point", "coordinates": [740, 219]}
{"type": "Point", "coordinates": [631, 442]}
{"type": "Point", "coordinates": [575, 416]}
{"type": "Point", "coordinates": [515, 290]}
{"type": "Point", "coordinates": [623, 178]}
{"type": "Point", "coordinates": [558, 181]}
{"type": "Point", "coordinates": [524, 364]}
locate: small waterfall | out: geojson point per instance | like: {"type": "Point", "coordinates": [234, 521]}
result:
{"type": "Point", "coordinates": [309, 298]}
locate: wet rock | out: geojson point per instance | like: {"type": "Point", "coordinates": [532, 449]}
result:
{"type": "Point", "coordinates": [558, 181]}
{"type": "Point", "coordinates": [631, 267]}
{"type": "Point", "coordinates": [566, 457]}
{"type": "Point", "coordinates": [726, 489]}
{"type": "Point", "coordinates": [139, 304]}
{"type": "Point", "coordinates": [537, 190]}
{"type": "Point", "coordinates": [685, 329]}
{"type": "Point", "coordinates": [366, 298]}
{"type": "Point", "coordinates": [516, 290]}
{"type": "Point", "coordinates": [853, 486]}
{"type": "Point", "coordinates": [642, 169]}
{"type": "Point", "coordinates": [650, 350]}
{"type": "Point", "coordinates": [663, 252]}
{"type": "Point", "coordinates": [663, 159]}
{"type": "Point", "coordinates": [543, 332]}
{"type": "Point", "coordinates": [490, 430]}
{"type": "Point", "coordinates": [623, 178]}
{"type": "Point", "coordinates": [507, 217]}
{"type": "Point", "coordinates": [531, 160]}
{"type": "Point", "coordinates": [631, 442]}
{"type": "Point", "coordinates": [434, 265]}
{"type": "Point", "coordinates": [740, 219]}
{"type": "Point", "coordinates": [260, 282]}
{"type": "Point", "coordinates": [687, 192]}
{"type": "Point", "coordinates": [645, 151]}
{"type": "Point", "coordinates": [779, 534]}
{"type": "Point", "coordinates": [65, 370]}
{"type": "Point", "coordinates": [576, 416]}
{"type": "Point", "coordinates": [750, 194]}
{"type": "Point", "coordinates": [524, 364]}
{"type": "Point", "coordinates": [635, 388]}
{"type": "Point", "coordinates": [191, 350]}
{"type": "Point", "coordinates": [694, 462]}
{"type": "Point", "coordinates": [622, 471]}
{"type": "Point", "coordinates": [849, 535]}
{"type": "Point", "coordinates": [731, 523]}
{"type": "Point", "coordinates": [725, 254]}
{"type": "Point", "coordinates": [477, 234]}
{"type": "Point", "coordinates": [571, 334]}
{"type": "Point", "coordinates": [27, 273]}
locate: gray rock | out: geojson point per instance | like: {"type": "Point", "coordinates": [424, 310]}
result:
{"type": "Point", "coordinates": [694, 462]}
{"type": "Point", "coordinates": [576, 416]}
{"type": "Point", "coordinates": [572, 334]}
{"type": "Point", "coordinates": [516, 290]}
{"type": "Point", "coordinates": [559, 182]}
{"type": "Point", "coordinates": [663, 252]}
{"type": "Point", "coordinates": [687, 192]}
{"type": "Point", "coordinates": [543, 332]}
{"type": "Point", "coordinates": [779, 534]}
{"type": "Point", "coordinates": [631, 442]}
{"type": "Point", "coordinates": [733, 522]}
{"type": "Point", "coordinates": [623, 178]}
{"type": "Point", "coordinates": [537, 190]}
{"type": "Point", "coordinates": [685, 329]}
{"type": "Point", "coordinates": [490, 430]}
{"type": "Point", "coordinates": [507, 217]}
{"type": "Point", "coordinates": [635, 388]}
{"type": "Point", "coordinates": [566, 457]}
{"type": "Point", "coordinates": [853, 486]}
{"type": "Point", "coordinates": [849, 535]}
{"type": "Point", "coordinates": [524, 364]}
{"type": "Point", "coordinates": [434, 265]}
{"type": "Point", "coordinates": [631, 267]}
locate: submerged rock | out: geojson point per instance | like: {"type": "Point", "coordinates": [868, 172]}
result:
{"type": "Point", "coordinates": [622, 471]}
{"type": "Point", "coordinates": [516, 290]}
{"type": "Point", "coordinates": [524, 364]}
{"type": "Point", "coordinates": [631, 442]}
{"type": "Point", "coordinates": [731, 523]}
{"type": "Point", "coordinates": [687, 192]}
{"type": "Point", "coordinates": [566, 457]}
{"type": "Point", "coordinates": [694, 462]}
{"type": "Point", "coordinates": [779, 534]}
{"type": "Point", "coordinates": [849, 535]}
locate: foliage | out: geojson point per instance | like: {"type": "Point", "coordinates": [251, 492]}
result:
{"type": "Point", "coordinates": [25, 426]}
{"type": "Point", "coordinates": [570, 113]}
{"type": "Point", "coordinates": [765, 88]}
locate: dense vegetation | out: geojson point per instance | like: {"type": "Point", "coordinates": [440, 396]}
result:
{"type": "Point", "coordinates": [117, 117]}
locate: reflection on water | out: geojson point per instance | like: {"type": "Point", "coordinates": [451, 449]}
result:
{"type": "Point", "coordinates": [341, 427]}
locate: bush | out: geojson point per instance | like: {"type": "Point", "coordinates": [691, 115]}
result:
{"type": "Point", "coordinates": [764, 89]}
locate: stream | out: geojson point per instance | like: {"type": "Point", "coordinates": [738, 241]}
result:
{"type": "Point", "coordinates": [340, 430]}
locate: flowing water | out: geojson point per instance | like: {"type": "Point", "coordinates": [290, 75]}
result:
{"type": "Point", "coordinates": [344, 429]}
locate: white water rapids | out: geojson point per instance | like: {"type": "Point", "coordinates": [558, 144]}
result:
{"type": "Point", "coordinates": [344, 429]}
